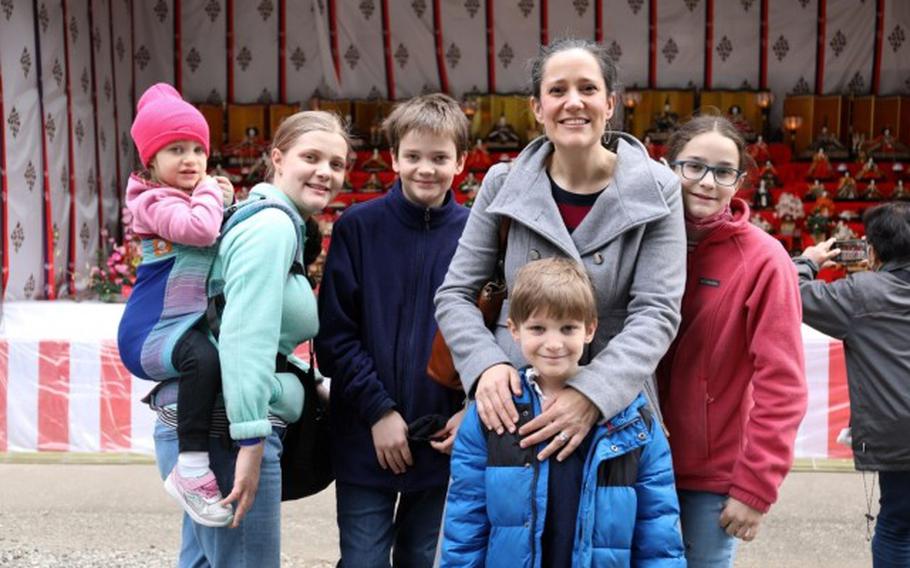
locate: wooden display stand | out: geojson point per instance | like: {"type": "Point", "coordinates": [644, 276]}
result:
{"type": "Point", "coordinates": [340, 107]}
{"type": "Point", "coordinates": [816, 111]}
{"type": "Point", "coordinates": [652, 105]}
{"type": "Point", "coordinates": [515, 109]}
{"type": "Point", "coordinates": [724, 100]}
{"type": "Point", "coordinates": [214, 116]}
{"type": "Point", "coordinates": [862, 114]}
{"type": "Point", "coordinates": [893, 113]}
{"type": "Point", "coordinates": [277, 113]}
{"type": "Point", "coordinates": [367, 114]}
{"type": "Point", "coordinates": [240, 118]}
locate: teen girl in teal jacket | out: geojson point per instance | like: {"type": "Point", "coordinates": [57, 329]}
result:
{"type": "Point", "coordinates": [627, 516]}
{"type": "Point", "coordinates": [268, 310]}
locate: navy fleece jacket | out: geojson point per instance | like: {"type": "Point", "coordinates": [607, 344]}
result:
{"type": "Point", "coordinates": [387, 258]}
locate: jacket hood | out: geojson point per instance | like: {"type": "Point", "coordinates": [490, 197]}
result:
{"type": "Point", "coordinates": [738, 224]}
{"type": "Point", "coordinates": [138, 185]}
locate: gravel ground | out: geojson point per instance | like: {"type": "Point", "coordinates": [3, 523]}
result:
{"type": "Point", "coordinates": [60, 515]}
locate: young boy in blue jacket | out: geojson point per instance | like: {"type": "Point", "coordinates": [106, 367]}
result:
{"type": "Point", "coordinates": [387, 258]}
{"type": "Point", "coordinates": [612, 503]}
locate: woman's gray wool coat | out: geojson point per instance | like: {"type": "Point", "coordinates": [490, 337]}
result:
{"type": "Point", "coordinates": [632, 243]}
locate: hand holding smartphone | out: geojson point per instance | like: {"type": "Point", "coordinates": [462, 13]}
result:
{"type": "Point", "coordinates": [852, 251]}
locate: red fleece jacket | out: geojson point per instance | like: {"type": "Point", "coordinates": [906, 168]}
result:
{"type": "Point", "coordinates": [732, 385]}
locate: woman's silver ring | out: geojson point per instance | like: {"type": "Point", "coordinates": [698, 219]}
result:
{"type": "Point", "coordinates": [563, 437]}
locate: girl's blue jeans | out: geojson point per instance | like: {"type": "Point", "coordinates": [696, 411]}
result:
{"type": "Point", "coordinates": [256, 543]}
{"type": "Point", "coordinates": [707, 544]}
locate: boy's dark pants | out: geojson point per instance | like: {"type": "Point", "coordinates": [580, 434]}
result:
{"type": "Point", "coordinates": [196, 358]}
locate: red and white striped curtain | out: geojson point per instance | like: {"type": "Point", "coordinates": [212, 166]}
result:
{"type": "Point", "coordinates": [63, 388]}
{"type": "Point", "coordinates": [71, 396]}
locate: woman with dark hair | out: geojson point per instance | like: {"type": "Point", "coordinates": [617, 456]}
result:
{"type": "Point", "coordinates": [594, 196]}
{"type": "Point", "coordinates": [732, 386]}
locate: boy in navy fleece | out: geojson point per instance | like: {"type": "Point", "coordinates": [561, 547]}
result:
{"type": "Point", "coordinates": [387, 258]}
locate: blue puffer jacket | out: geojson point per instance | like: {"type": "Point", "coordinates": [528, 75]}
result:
{"type": "Point", "coordinates": [497, 502]}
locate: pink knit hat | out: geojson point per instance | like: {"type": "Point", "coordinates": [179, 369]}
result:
{"type": "Point", "coordinates": [162, 117]}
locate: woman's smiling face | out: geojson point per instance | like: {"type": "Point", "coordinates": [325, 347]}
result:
{"type": "Point", "coordinates": [574, 103]}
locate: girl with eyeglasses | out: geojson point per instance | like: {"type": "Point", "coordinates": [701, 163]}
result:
{"type": "Point", "coordinates": [732, 385]}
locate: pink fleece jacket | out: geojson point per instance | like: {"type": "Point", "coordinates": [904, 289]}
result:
{"type": "Point", "coordinates": [174, 215]}
{"type": "Point", "coordinates": [732, 385]}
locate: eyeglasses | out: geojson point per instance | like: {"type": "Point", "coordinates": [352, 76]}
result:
{"type": "Point", "coordinates": [696, 171]}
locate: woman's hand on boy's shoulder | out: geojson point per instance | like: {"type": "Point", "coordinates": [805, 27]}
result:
{"type": "Point", "coordinates": [444, 440]}
{"type": "Point", "coordinates": [493, 397]}
{"type": "Point", "coordinates": [565, 422]}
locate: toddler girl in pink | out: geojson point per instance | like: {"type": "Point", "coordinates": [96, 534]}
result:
{"type": "Point", "coordinates": [177, 209]}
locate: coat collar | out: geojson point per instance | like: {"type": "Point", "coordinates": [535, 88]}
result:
{"type": "Point", "coordinates": [632, 198]}
{"type": "Point", "coordinates": [416, 216]}
{"type": "Point", "coordinates": [895, 265]}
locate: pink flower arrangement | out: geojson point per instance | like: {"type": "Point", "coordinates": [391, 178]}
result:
{"type": "Point", "coordinates": [113, 277]}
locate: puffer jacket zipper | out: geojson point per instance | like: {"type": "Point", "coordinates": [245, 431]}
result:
{"type": "Point", "coordinates": [533, 531]}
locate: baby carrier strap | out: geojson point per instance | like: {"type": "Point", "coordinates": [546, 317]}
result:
{"type": "Point", "coordinates": [233, 216]}
{"type": "Point", "coordinates": [242, 211]}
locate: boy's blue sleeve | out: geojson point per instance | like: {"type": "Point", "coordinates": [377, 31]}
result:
{"type": "Point", "coordinates": [339, 348]}
{"type": "Point", "coordinates": [466, 527]}
{"type": "Point", "coordinates": [657, 541]}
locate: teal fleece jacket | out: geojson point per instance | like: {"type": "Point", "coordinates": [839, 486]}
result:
{"type": "Point", "coordinates": [267, 311]}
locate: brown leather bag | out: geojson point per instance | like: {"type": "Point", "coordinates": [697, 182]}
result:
{"type": "Point", "coordinates": [440, 367]}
